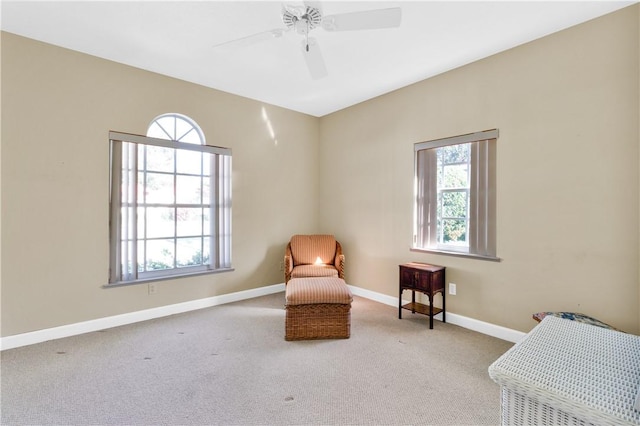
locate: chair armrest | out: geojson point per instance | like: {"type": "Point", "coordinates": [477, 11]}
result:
{"type": "Point", "coordinates": [288, 263]}
{"type": "Point", "coordinates": [339, 261]}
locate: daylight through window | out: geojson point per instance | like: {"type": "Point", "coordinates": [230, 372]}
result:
{"type": "Point", "coordinates": [170, 203]}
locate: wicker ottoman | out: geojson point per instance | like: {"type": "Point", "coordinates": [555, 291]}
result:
{"type": "Point", "coordinates": [317, 308]}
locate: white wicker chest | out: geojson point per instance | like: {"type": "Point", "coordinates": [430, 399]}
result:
{"type": "Point", "coordinates": [569, 373]}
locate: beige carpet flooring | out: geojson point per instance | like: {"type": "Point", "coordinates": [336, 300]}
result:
{"type": "Point", "coordinates": [230, 365]}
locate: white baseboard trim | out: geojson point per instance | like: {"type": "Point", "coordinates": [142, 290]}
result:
{"type": "Point", "coordinates": [40, 336]}
{"type": "Point", "coordinates": [500, 332]}
{"type": "Point", "coordinates": [31, 338]}
{"type": "Point", "coordinates": [487, 328]}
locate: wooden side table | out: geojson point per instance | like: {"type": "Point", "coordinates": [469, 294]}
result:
{"type": "Point", "coordinates": [427, 279]}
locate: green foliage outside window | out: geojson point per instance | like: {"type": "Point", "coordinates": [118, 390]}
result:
{"type": "Point", "coordinates": [453, 193]}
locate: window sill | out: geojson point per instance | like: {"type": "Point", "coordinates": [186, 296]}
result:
{"type": "Point", "coordinates": [165, 278]}
{"type": "Point", "coordinates": [457, 254]}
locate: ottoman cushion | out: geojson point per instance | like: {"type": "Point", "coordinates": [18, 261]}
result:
{"type": "Point", "coordinates": [306, 291]}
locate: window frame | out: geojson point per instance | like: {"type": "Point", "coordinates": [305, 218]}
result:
{"type": "Point", "coordinates": [482, 192]}
{"type": "Point", "coordinates": [219, 205]}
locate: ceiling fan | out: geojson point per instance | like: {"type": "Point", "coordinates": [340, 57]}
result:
{"type": "Point", "coordinates": [303, 17]}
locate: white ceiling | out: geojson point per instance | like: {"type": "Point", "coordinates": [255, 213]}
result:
{"type": "Point", "coordinates": [177, 38]}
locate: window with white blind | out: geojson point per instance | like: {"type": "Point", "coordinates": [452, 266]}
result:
{"type": "Point", "coordinates": [455, 205]}
{"type": "Point", "coordinates": [170, 203]}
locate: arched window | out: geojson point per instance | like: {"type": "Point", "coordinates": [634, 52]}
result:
{"type": "Point", "coordinates": [170, 203]}
{"type": "Point", "coordinates": [176, 127]}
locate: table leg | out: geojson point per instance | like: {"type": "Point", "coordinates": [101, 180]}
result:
{"type": "Point", "coordinates": [430, 312]}
{"type": "Point", "coordinates": [444, 310]}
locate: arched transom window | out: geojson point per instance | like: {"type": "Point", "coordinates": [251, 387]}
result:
{"type": "Point", "coordinates": [176, 127]}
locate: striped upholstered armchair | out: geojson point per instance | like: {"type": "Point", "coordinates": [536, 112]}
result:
{"type": "Point", "coordinates": [313, 256]}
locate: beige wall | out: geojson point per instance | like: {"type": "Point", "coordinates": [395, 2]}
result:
{"type": "Point", "coordinates": [638, 15]}
{"type": "Point", "coordinates": [568, 181]}
{"type": "Point", "coordinates": [567, 190]}
{"type": "Point", "coordinates": [58, 107]}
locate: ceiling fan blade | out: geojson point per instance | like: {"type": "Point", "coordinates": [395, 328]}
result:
{"type": "Point", "coordinates": [366, 20]}
{"type": "Point", "coordinates": [251, 39]}
{"type": "Point", "coordinates": [296, 8]}
{"type": "Point", "coordinates": [313, 58]}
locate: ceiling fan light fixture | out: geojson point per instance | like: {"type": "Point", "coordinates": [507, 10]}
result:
{"type": "Point", "coordinates": [302, 24]}
{"type": "Point", "coordinates": [301, 27]}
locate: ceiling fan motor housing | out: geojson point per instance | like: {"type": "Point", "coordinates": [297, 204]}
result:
{"type": "Point", "coordinates": [302, 24]}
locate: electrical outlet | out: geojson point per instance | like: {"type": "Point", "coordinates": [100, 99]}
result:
{"type": "Point", "coordinates": [281, 265]}
{"type": "Point", "coordinates": [452, 289]}
{"type": "Point", "coordinates": [153, 289]}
